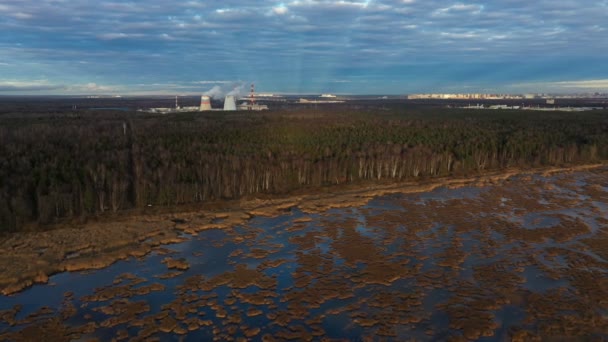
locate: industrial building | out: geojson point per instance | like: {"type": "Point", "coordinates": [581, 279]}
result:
{"type": "Point", "coordinates": [229, 103]}
{"type": "Point", "coordinates": [250, 103]}
{"type": "Point", "coordinates": [205, 105]}
{"type": "Point", "coordinates": [463, 97]}
{"type": "Point", "coordinates": [537, 108]}
{"type": "Point", "coordinates": [176, 109]}
{"type": "Point", "coordinates": [307, 101]}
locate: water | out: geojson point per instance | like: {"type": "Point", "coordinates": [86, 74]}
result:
{"type": "Point", "coordinates": [452, 262]}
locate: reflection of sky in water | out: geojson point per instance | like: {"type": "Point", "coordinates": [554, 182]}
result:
{"type": "Point", "coordinates": [506, 317]}
{"type": "Point", "coordinates": [603, 207]}
{"type": "Point", "coordinates": [459, 193]}
{"type": "Point", "coordinates": [536, 220]}
{"type": "Point", "coordinates": [209, 255]}
{"type": "Point", "coordinates": [443, 194]}
{"type": "Point", "coordinates": [536, 281]}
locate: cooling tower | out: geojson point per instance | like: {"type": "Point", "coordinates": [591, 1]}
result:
{"type": "Point", "coordinates": [205, 103]}
{"type": "Point", "coordinates": [229, 103]}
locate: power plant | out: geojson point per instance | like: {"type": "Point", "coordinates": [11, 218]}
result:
{"type": "Point", "coordinates": [250, 104]}
{"type": "Point", "coordinates": [205, 105]}
{"type": "Point", "coordinates": [229, 103]}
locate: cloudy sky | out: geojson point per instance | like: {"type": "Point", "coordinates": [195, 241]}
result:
{"type": "Point", "coordinates": [303, 46]}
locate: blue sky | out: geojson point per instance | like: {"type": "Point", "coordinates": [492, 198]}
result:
{"type": "Point", "coordinates": [303, 46]}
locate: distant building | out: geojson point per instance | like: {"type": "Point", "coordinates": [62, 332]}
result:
{"type": "Point", "coordinates": [205, 103]}
{"type": "Point", "coordinates": [474, 96]}
{"type": "Point", "coordinates": [250, 106]}
{"type": "Point", "coordinates": [229, 103]}
{"type": "Point", "coordinates": [304, 101]}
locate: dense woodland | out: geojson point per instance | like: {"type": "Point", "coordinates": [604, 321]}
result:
{"type": "Point", "coordinates": [82, 164]}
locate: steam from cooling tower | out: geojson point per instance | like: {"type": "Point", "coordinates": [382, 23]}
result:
{"type": "Point", "coordinates": [238, 89]}
{"type": "Point", "coordinates": [231, 94]}
{"type": "Point", "coordinates": [216, 92]}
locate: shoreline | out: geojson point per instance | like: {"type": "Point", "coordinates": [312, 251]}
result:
{"type": "Point", "coordinates": [99, 244]}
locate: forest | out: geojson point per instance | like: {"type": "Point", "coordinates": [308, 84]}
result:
{"type": "Point", "coordinates": [67, 167]}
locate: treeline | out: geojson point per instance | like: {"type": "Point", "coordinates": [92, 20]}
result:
{"type": "Point", "coordinates": [73, 167]}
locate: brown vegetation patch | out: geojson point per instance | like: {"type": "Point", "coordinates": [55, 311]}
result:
{"type": "Point", "coordinates": [123, 312]}
{"type": "Point", "coordinates": [272, 263]}
{"type": "Point", "coordinates": [178, 264]}
{"type": "Point", "coordinates": [240, 278]}
{"type": "Point", "coordinates": [170, 275]}
{"type": "Point", "coordinates": [459, 258]}
{"type": "Point", "coordinates": [567, 230]}
{"type": "Point", "coordinates": [599, 243]}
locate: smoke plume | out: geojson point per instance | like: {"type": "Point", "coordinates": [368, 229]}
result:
{"type": "Point", "coordinates": [216, 92]}
{"type": "Point", "coordinates": [238, 89]}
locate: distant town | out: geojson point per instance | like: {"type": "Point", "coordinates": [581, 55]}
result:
{"type": "Point", "coordinates": [475, 96]}
{"type": "Point", "coordinates": [547, 99]}
{"type": "Point", "coordinates": [421, 96]}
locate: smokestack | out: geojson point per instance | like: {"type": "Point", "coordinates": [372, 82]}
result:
{"type": "Point", "coordinates": [229, 103]}
{"type": "Point", "coordinates": [205, 103]}
{"type": "Point", "coordinates": [252, 97]}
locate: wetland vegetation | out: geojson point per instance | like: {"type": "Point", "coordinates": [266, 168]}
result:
{"type": "Point", "coordinates": [521, 259]}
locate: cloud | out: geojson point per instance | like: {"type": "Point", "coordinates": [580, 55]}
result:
{"type": "Point", "coordinates": [345, 81]}
{"type": "Point", "coordinates": [94, 87]}
{"type": "Point", "coordinates": [584, 84]}
{"type": "Point", "coordinates": [121, 35]}
{"type": "Point", "coordinates": [21, 15]}
{"type": "Point", "coordinates": [460, 8]}
{"type": "Point", "coordinates": [22, 86]}
{"type": "Point", "coordinates": [284, 43]}
{"type": "Point", "coordinates": [280, 10]}
{"type": "Point", "coordinates": [576, 85]}
{"type": "Point", "coordinates": [43, 86]}
{"type": "Point", "coordinates": [213, 82]}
